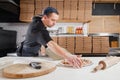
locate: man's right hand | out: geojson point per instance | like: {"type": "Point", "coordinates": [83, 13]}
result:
{"type": "Point", "coordinates": [75, 61]}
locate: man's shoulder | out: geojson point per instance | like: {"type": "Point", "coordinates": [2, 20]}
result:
{"type": "Point", "coordinates": [37, 18]}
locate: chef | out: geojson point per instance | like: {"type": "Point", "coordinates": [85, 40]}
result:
{"type": "Point", "coordinates": [38, 37]}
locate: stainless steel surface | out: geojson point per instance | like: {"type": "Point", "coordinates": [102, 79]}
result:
{"type": "Point", "coordinates": [114, 52]}
{"type": "Point", "coordinates": [104, 34]}
{"type": "Point", "coordinates": [93, 34]}
{"type": "Point", "coordinates": [67, 34]}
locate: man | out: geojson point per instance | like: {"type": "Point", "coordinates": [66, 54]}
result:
{"type": "Point", "coordinates": [37, 37]}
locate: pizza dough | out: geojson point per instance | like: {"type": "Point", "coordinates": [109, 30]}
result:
{"type": "Point", "coordinates": [86, 62]}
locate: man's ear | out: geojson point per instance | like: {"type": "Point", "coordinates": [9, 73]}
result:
{"type": "Point", "coordinates": [44, 17]}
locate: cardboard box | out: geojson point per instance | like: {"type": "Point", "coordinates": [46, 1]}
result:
{"type": "Point", "coordinates": [73, 10]}
{"type": "Point", "coordinates": [71, 50]}
{"type": "Point", "coordinates": [39, 7]}
{"type": "Point", "coordinates": [62, 42]}
{"type": "Point", "coordinates": [114, 44]}
{"type": "Point", "coordinates": [45, 4]}
{"type": "Point", "coordinates": [60, 9]}
{"type": "Point", "coordinates": [78, 51]}
{"type": "Point", "coordinates": [38, 11]}
{"type": "Point", "coordinates": [26, 16]}
{"type": "Point", "coordinates": [53, 4]}
{"type": "Point", "coordinates": [81, 10]}
{"type": "Point", "coordinates": [66, 10]}
{"type": "Point", "coordinates": [96, 24]}
{"type": "Point", "coordinates": [26, 6]}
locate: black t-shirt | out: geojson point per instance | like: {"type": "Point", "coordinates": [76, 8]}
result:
{"type": "Point", "coordinates": [37, 34]}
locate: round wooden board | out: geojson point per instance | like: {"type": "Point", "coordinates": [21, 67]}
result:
{"type": "Point", "coordinates": [25, 71]}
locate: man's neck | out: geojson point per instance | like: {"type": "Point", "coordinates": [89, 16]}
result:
{"type": "Point", "coordinates": [44, 22]}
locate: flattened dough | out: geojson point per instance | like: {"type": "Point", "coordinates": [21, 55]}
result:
{"type": "Point", "coordinates": [86, 62]}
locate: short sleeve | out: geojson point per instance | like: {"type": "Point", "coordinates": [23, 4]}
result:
{"type": "Point", "coordinates": [43, 37]}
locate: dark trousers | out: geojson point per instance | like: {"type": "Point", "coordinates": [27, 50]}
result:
{"type": "Point", "coordinates": [29, 51]}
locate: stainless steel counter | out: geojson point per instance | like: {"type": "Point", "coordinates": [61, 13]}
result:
{"type": "Point", "coordinates": [67, 34]}
{"type": "Point", "coordinates": [91, 34]}
{"type": "Point", "coordinates": [114, 52]}
{"type": "Point", "coordinates": [104, 34]}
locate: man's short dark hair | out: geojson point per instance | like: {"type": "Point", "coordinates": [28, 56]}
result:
{"type": "Point", "coordinates": [47, 11]}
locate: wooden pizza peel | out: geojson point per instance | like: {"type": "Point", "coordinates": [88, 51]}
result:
{"type": "Point", "coordinates": [20, 70]}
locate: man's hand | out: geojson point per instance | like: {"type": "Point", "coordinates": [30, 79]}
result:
{"type": "Point", "coordinates": [75, 61]}
{"type": "Point", "coordinates": [42, 50]}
